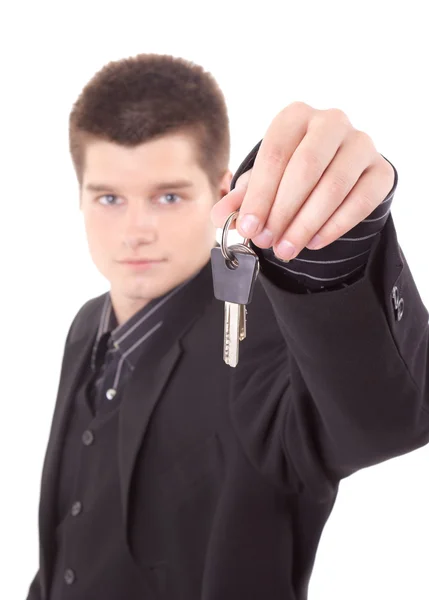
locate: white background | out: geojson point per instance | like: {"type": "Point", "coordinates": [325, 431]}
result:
{"type": "Point", "coordinates": [367, 58]}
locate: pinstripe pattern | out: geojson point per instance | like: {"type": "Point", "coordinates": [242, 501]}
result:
{"type": "Point", "coordinates": [333, 266]}
{"type": "Point", "coordinates": [117, 348]}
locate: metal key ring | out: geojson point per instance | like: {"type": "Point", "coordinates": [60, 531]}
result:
{"type": "Point", "coordinates": [226, 253]}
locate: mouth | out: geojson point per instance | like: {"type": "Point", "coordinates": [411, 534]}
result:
{"type": "Point", "coordinates": [141, 263]}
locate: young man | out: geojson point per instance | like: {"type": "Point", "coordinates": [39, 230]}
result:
{"type": "Point", "coordinates": [169, 474]}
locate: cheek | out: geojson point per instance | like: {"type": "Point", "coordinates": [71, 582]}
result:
{"type": "Point", "coordinates": [196, 223]}
{"type": "Point", "coordinates": [204, 227]}
{"type": "Point", "coordinates": [191, 233]}
{"type": "Point", "coordinates": [98, 236]}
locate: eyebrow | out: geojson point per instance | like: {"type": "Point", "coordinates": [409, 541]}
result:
{"type": "Point", "coordinates": [165, 185]}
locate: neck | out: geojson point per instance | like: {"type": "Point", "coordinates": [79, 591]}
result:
{"type": "Point", "coordinates": [125, 310]}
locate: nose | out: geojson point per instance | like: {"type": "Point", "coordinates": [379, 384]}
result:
{"type": "Point", "coordinates": [140, 226]}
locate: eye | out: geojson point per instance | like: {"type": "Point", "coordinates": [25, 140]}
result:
{"type": "Point", "coordinates": [109, 199]}
{"type": "Point", "coordinates": [169, 199]}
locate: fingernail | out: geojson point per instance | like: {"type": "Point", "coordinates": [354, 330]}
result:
{"type": "Point", "coordinates": [249, 225]}
{"type": "Point", "coordinates": [285, 250]}
{"type": "Point", "coordinates": [264, 239]}
{"type": "Point", "coordinates": [315, 242]}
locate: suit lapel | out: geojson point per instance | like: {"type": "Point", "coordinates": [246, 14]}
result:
{"type": "Point", "coordinates": [152, 373]}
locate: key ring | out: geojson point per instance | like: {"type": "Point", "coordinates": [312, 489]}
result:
{"type": "Point", "coordinates": [226, 252]}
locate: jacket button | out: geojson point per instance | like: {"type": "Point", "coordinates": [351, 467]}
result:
{"type": "Point", "coordinates": [87, 437]}
{"type": "Point", "coordinates": [76, 509]}
{"type": "Point", "coordinates": [69, 576]}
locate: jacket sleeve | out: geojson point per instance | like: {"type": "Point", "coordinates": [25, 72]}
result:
{"type": "Point", "coordinates": [335, 266]}
{"type": "Point", "coordinates": [358, 368]}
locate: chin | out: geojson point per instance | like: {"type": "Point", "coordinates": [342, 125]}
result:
{"type": "Point", "coordinates": [147, 292]}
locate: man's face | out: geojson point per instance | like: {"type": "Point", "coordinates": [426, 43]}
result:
{"type": "Point", "coordinates": [147, 216]}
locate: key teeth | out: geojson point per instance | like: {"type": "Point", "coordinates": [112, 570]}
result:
{"type": "Point", "coordinates": [231, 334]}
{"type": "Point", "coordinates": [230, 364]}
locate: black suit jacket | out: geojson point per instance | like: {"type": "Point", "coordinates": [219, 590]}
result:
{"type": "Point", "coordinates": [228, 475]}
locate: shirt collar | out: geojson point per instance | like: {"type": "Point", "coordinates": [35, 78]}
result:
{"type": "Point", "coordinates": [129, 337]}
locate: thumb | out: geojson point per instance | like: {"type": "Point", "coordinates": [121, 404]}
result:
{"type": "Point", "coordinates": [231, 202]}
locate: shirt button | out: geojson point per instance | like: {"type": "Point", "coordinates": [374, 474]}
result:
{"type": "Point", "coordinates": [76, 509]}
{"type": "Point", "coordinates": [110, 394]}
{"type": "Point", "coordinates": [69, 576]}
{"type": "Point", "coordinates": [87, 437]}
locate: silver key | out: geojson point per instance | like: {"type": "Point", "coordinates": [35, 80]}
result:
{"type": "Point", "coordinates": [234, 332]}
{"type": "Point", "coordinates": [243, 322]}
{"type": "Point", "coordinates": [235, 270]}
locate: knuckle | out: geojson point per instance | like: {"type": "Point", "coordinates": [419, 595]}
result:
{"type": "Point", "coordinates": [385, 169]}
{"type": "Point", "coordinates": [275, 155]}
{"type": "Point", "coordinates": [299, 105]}
{"type": "Point", "coordinates": [243, 181]}
{"type": "Point", "coordinates": [339, 185]}
{"type": "Point", "coordinates": [363, 139]}
{"type": "Point", "coordinates": [337, 116]}
{"type": "Point", "coordinates": [277, 221]}
{"type": "Point", "coordinates": [336, 228]}
{"type": "Point", "coordinates": [310, 164]}
{"type": "Point", "coordinates": [306, 232]}
{"type": "Point", "coordinates": [252, 205]}
{"type": "Point", "coordinates": [337, 113]}
{"type": "Point", "coordinates": [301, 232]}
{"type": "Point", "coordinates": [366, 201]}
{"type": "Point", "coordinates": [383, 177]}
{"type": "Point", "coordinates": [296, 108]}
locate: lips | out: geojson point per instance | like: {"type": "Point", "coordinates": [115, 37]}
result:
{"type": "Point", "coordinates": [140, 261]}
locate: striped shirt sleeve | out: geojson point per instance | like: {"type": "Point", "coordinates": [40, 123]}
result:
{"type": "Point", "coordinates": [333, 267]}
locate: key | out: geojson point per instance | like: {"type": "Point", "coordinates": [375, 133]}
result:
{"type": "Point", "coordinates": [243, 320]}
{"type": "Point", "coordinates": [234, 286]}
{"type": "Point", "coordinates": [231, 338]}
{"type": "Point", "coordinates": [231, 346]}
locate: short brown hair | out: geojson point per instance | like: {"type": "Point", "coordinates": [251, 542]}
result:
{"type": "Point", "coordinates": [137, 99]}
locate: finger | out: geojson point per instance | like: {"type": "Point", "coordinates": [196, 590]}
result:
{"type": "Point", "coordinates": [364, 198]}
{"type": "Point", "coordinates": [352, 159]}
{"type": "Point", "coordinates": [231, 201]}
{"type": "Point", "coordinates": [227, 205]}
{"type": "Point", "coordinates": [326, 132]}
{"type": "Point", "coordinates": [282, 137]}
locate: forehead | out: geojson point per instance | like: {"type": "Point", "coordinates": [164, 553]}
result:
{"type": "Point", "coordinates": [170, 155]}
